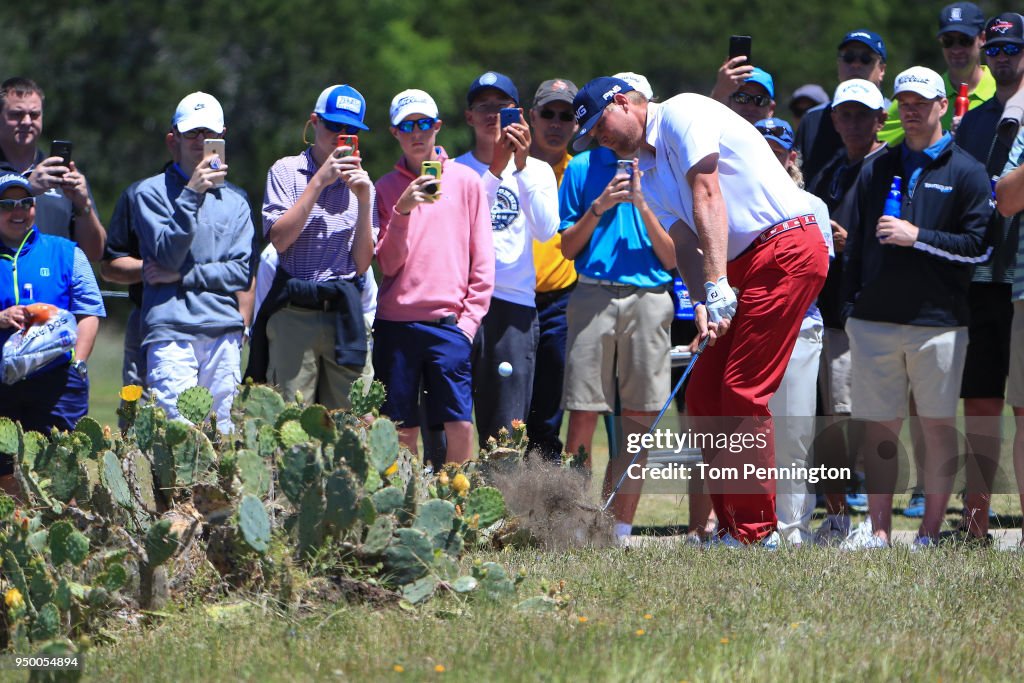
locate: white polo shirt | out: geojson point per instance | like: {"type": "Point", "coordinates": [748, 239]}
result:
{"type": "Point", "coordinates": [688, 128]}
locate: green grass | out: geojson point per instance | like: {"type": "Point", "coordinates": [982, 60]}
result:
{"type": "Point", "coordinates": [806, 615]}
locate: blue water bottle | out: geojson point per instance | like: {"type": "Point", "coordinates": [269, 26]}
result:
{"type": "Point", "coordinates": [684, 307]}
{"type": "Point", "coordinates": [892, 202]}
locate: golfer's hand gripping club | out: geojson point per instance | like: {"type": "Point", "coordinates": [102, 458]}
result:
{"type": "Point", "coordinates": [720, 300]}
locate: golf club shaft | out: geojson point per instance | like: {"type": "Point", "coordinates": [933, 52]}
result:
{"type": "Point", "coordinates": [675, 390]}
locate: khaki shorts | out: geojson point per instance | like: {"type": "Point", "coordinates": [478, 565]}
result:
{"type": "Point", "coordinates": [888, 361]}
{"type": "Point", "coordinates": [618, 331]}
{"type": "Point", "coordinates": [834, 373]}
{"type": "Point", "coordinates": [1015, 386]}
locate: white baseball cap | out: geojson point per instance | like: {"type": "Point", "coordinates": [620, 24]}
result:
{"type": "Point", "coordinates": [411, 102]}
{"type": "Point", "coordinates": [861, 91]}
{"type": "Point", "coordinates": [920, 80]}
{"type": "Point", "coordinates": [198, 110]}
{"type": "Point", "coordinates": [638, 81]}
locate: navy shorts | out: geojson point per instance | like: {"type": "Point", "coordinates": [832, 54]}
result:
{"type": "Point", "coordinates": [988, 350]}
{"type": "Point", "coordinates": [438, 356]}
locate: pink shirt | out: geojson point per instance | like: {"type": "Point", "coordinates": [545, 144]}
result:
{"type": "Point", "coordinates": [438, 260]}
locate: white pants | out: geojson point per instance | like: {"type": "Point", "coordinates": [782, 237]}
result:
{"type": "Point", "coordinates": [215, 364]}
{"type": "Point", "coordinates": [793, 407]}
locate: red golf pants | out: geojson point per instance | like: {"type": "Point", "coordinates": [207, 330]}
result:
{"type": "Point", "coordinates": [733, 380]}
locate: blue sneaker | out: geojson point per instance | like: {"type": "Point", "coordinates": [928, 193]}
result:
{"type": "Point", "coordinates": [858, 502]}
{"type": "Point", "coordinates": [915, 508]}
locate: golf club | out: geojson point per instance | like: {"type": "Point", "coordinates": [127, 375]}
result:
{"type": "Point", "coordinates": [675, 390]}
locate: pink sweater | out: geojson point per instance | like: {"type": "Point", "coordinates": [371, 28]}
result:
{"type": "Point", "coordinates": [438, 260]}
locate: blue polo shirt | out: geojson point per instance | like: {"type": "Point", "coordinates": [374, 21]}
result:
{"type": "Point", "coordinates": [619, 249]}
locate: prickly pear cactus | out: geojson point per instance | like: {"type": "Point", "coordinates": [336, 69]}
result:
{"type": "Point", "coordinates": [366, 400]}
{"type": "Point", "coordinates": [291, 433]}
{"type": "Point", "coordinates": [317, 422]}
{"type": "Point", "coordinates": [254, 523]}
{"type": "Point", "coordinates": [349, 448]}
{"type": "Point", "coordinates": [67, 544]}
{"type": "Point", "coordinates": [383, 443]}
{"type": "Point", "coordinates": [161, 542]}
{"type": "Point", "coordinates": [342, 491]}
{"type": "Point", "coordinates": [150, 421]}
{"type": "Point", "coordinates": [487, 502]}
{"type": "Point", "coordinates": [436, 519]}
{"type": "Point", "coordinates": [10, 436]}
{"type": "Point", "coordinates": [300, 467]}
{"type": "Point", "coordinates": [388, 500]}
{"type": "Point", "coordinates": [311, 520]}
{"type": "Point", "coordinates": [92, 429]}
{"type": "Point", "coordinates": [253, 472]}
{"type": "Point", "coordinates": [112, 477]}
{"type": "Point", "coordinates": [258, 401]}
{"type": "Point", "coordinates": [195, 403]}
{"type": "Point", "coordinates": [408, 557]}
{"type": "Point", "coordinates": [378, 536]}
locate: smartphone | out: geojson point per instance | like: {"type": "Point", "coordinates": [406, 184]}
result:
{"type": "Point", "coordinates": [509, 116]}
{"type": "Point", "coordinates": [432, 168]}
{"type": "Point", "coordinates": [215, 146]}
{"type": "Point", "coordinates": [350, 141]}
{"type": "Point", "coordinates": [624, 167]}
{"type": "Point", "coordinates": [62, 149]}
{"type": "Point", "coordinates": [740, 45]}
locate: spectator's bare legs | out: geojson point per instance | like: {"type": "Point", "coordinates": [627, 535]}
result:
{"type": "Point", "coordinates": [984, 440]}
{"type": "Point", "coordinates": [940, 453]}
{"type": "Point", "coordinates": [1018, 459]}
{"type": "Point", "coordinates": [459, 436]}
{"type": "Point", "coordinates": [628, 497]}
{"type": "Point", "coordinates": [881, 464]}
{"type": "Point", "coordinates": [582, 424]}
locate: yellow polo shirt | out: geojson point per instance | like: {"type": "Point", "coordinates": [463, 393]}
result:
{"type": "Point", "coordinates": [554, 271]}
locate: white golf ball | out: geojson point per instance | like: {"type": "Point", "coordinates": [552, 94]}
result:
{"type": "Point", "coordinates": [505, 369]}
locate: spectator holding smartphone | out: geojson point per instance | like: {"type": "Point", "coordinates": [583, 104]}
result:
{"type": "Point", "coordinates": [64, 205]}
{"type": "Point", "coordinates": [318, 213]}
{"type": "Point", "coordinates": [437, 259]}
{"type": "Point", "coordinates": [195, 236]}
{"type": "Point", "coordinates": [523, 198]}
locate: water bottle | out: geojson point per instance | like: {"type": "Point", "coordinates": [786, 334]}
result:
{"type": "Point", "coordinates": [892, 202]}
{"type": "Point", "coordinates": [962, 101]}
{"type": "Point", "coordinates": [684, 307]}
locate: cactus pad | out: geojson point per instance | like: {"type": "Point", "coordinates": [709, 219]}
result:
{"type": "Point", "coordinates": [46, 625]}
{"type": "Point", "coordinates": [435, 519]}
{"type": "Point", "coordinates": [487, 502]}
{"type": "Point", "coordinates": [318, 423]}
{"type": "Point", "coordinates": [253, 472]}
{"type": "Point", "coordinates": [92, 429]}
{"type": "Point", "coordinates": [161, 542]}
{"type": "Point", "coordinates": [388, 500]}
{"type": "Point", "coordinates": [408, 557]}
{"type": "Point", "coordinates": [113, 477]}
{"type": "Point", "coordinates": [311, 520]}
{"type": "Point", "coordinates": [259, 401]}
{"type": "Point", "coordinates": [383, 443]}
{"type": "Point", "coordinates": [195, 403]}
{"type": "Point", "coordinates": [379, 536]}
{"type": "Point", "coordinates": [350, 449]}
{"type": "Point", "coordinates": [147, 425]}
{"type": "Point", "coordinates": [254, 523]}
{"type": "Point", "coordinates": [9, 436]}
{"type": "Point", "coordinates": [291, 433]}
{"type": "Point", "coordinates": [366, 401]}
{"type": "Point", "coordinates": [299, 468]}
{"type": "Point", "coordinates": [419, 590]}
{"type": "Point", "coordinates": [342, 493]}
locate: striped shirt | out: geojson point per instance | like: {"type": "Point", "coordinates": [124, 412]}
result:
{"type": "Point", "coordinates": [323, 250]}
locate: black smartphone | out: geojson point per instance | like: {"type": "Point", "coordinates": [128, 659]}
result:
{"type": "Point", "coordinates": [509, 116]}
{"type": "Point", "coordinates": [740, 45]}
{"type": "Point", "coordinates": [62, 149]}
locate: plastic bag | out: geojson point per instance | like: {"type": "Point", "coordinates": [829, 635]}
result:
{"type": "Point", "coordinates": [34, 347]}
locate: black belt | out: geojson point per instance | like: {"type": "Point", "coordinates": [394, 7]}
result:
{"type": "Point", "coordinates": [450, 319]}
{"type": "Point", "coordinates": [545, 298]}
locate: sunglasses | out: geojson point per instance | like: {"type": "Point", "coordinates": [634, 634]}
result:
{"type": "Point", "coordinates": [339, 127]}
{"type": "Point", "coordinates": [864, 58]}
{"type": "Point", "coordinates": [775, 131]}
{"type": "Point", "coordinates": [960, 40]}
{"type": "Point", "coordinates": [747, 98]}
{"type": "Point", "coordinates": [12, 204]}
{"type": "Point", "coordinates": [422, 124]}
{"type": "Point", "coordinates": [1008, 49]}
{"type": "Point", "coordinates": [206, 133]}
{"type": "Point", "coordinates": [564, 116]}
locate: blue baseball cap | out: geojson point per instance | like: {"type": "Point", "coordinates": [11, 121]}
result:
{"type": "Point", "coordinates": [776, 130]}
{"type": "Point", "coordinates": [9, 180]}
{"type": "Point", "coordinates": [764, 79]}
{"type": "Point", "coordinates": [492, 79]}
{"type": "Point", "coordinates": [342, 104]}
{"type": "Point", "coordinates": [589, 104]}
{"type": "Point", "coordinates": [869, 38]}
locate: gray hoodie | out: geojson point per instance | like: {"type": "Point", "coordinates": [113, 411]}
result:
{"type": "Point", "coordinates": [208, 239]}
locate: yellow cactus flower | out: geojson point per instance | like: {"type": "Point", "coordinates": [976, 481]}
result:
{"type": "Point", "coordinates": [648, 616]}
{"type": "Point", "coordinates": [13, 599]}
{"type": "Point", "coordinates": [391, 470]}
{"type": "Point", "coordinates": [460, 484]}
{"type": "Point", "coordinates": [582, 620]}
{"type": "Point", "coordinates": [131, 393]}
{"type": "Point", "coordinates": [640, 631]}
{"type": "Point", "coordinates": [442, 479]}
{"type": "Point", "coordinates": [398, 668]}
{"type": "Point", "coordinates": [439, 668]}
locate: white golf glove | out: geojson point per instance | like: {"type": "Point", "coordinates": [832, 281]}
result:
{"type": "Point", "coordinates": [721, 300]}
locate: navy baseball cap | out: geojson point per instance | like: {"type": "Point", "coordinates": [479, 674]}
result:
{"type": "Point", "coordinates": [492, 79]}
{"type": "Point", "coordinates": [777, 130]}
{"type": "Point", "coordinates": [342, 104]}
{"type": "Point", "coordinates": [590, 102]}
{"type": "Point", "coordinates": [869, 38]}
{"type": "Point", "coordinates": [1005, 28]}
{"type": "Point", "coordinates": [962, 17]}
{"type": "Point", "coordinates": [9, 180]}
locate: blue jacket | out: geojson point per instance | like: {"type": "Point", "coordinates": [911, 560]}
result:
{"type": "Point", "coordinates": [208, 239]}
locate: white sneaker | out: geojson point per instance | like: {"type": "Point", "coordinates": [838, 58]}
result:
{"type": "Point", "coordinates": [833, 530]}
{"type": "Point", "coordinates": [772, 541]}
{"type": "Point", "coordinates": [863, 538]}
{"type": "Point", "coordinates": [922, 543]}
{"type": "Point", "coordinates": [726, 541]}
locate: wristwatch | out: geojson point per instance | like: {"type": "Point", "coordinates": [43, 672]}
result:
{"type": "Point", "coordinates": [81, 368]}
